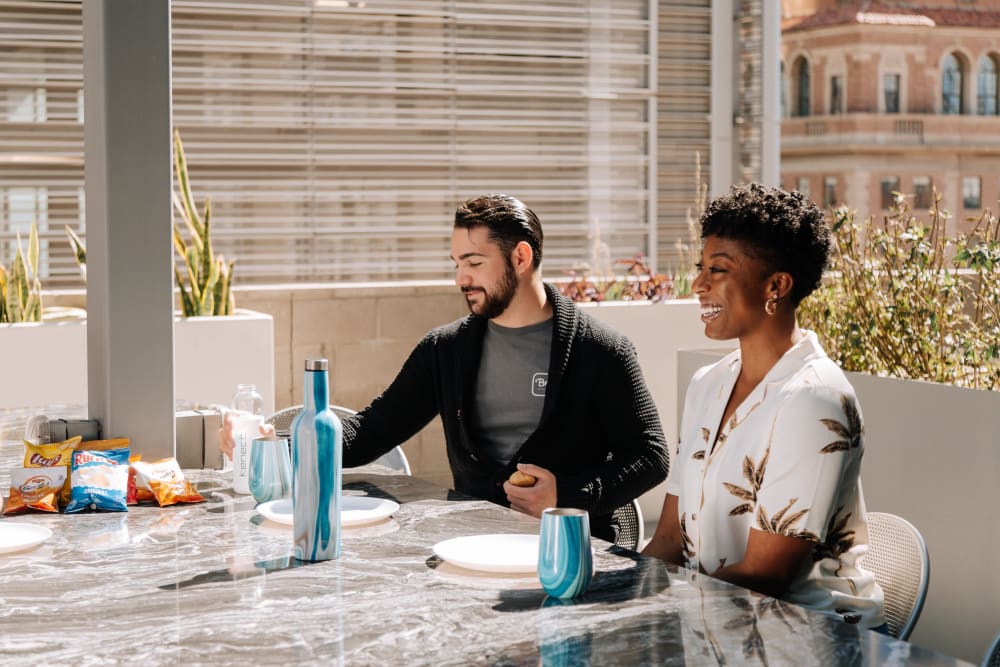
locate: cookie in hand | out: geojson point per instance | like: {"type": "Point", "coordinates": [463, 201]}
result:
{"type": "Point", "coordinates": [518, 478]}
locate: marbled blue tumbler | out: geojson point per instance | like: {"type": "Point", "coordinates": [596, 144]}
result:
{"type": "Point", "coordinates": [565, 561]}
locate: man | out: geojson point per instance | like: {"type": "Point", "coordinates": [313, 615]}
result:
{"type": "Point", "coordinates": [526, 382]}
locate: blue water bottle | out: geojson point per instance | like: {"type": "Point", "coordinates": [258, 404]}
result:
{"type": "Point", "coordinates": [317, 440]}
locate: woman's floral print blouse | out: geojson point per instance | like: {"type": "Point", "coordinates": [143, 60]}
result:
{"type": "Point", "coordinates": [788, 461]}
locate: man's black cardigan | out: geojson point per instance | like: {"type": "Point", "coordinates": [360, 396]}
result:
{"type": "Point", "coordinates": [599, 432]}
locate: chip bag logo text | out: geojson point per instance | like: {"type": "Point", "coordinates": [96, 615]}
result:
{"type": "Point", "coordinates": [39, 460]}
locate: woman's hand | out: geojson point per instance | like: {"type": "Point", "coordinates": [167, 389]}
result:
{"type": "Point", "coordinates": [667, 540]}
{"type": "Point", "coordinates": [533, 499]}
{"type": "Point", "coordinates": [227, 442]}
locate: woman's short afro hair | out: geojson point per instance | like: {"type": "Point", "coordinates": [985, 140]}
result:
{"type": "Point", "coordinates": [784, 229]}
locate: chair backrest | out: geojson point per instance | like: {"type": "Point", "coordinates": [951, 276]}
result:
{"type": "Point", "coordinates": [394, 458]}
{"type": "Point", "coordinates": [992, 657]}
{"type": "Point", "coordinates": [898, 558]}
{"type": "Point", "coordinates": [627, 522]}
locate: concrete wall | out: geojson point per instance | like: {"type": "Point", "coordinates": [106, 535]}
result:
{"type": "Point", "coordinates": [931, 456]}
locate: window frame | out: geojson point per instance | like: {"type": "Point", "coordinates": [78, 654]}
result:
{"type": "Point", "coordinates": [987, 101]}
{"type": "Point", "coordinates": [887, 198]}
{"type": "Point", "coordinates": [952, 85]}
{"type": "Point", "coordinates": [836, 94]}
{"type": "Point", "coordinates": [977, 203]}
{"type": "Point", "coordinates": [923, 200]}
{"type": "Point", "coordinates": [898, 82]}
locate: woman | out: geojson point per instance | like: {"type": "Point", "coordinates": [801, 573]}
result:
{"type": "Point", "coordinates": [765, 489]}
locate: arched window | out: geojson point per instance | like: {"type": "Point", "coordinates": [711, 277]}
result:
{"type": "Point", "coordinates": [951, 85]}
{"type": "Point", "coordinates": [802, 102]}
{"type": "Point", "coordinates": [784, 92]}
{"type": "Point", "coordinates": [986, 87]}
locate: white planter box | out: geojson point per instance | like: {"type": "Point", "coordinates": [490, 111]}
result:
{"type": "Point", "coordinates": [932, 457]}
{"type": "Point", "coordinates": [658, 331]}
{"type": "Point", "coordinates": [45, 364]}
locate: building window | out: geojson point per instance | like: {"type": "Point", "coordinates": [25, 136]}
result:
{"type": "Point", "coordinates": [922, 192]}
{"type": "Point", "coordinates": [836, 94]}
{"type": "Point", "coordinates": [890, 184]}
{"type": "Point", "coordinates": [890, 90]}
{"type": "Point", "coordinates": [972, 187]}
{"type": "Point", "coordinates": [802, 185]}
{"type": "Point", "coordinates": [830, 191]}
{"type": "Point", "coordinates": [951, 85]}
{"type": "Point", "coordinates": [784, 92]}
{"type": "Point", "coordinates": [986, 87]}
{"type": "Point", "coordinates": [802, 102]}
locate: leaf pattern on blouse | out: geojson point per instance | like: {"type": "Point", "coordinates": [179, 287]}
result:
{"type": "Point", "coordinates": [839, 539]}
{"type": "Point", "coordinates": [687, 546]}
{"type": "Point", "coordinates": [780, 524]}
{"type": "Point", "coordinates": [850, 433]}
{"type": "Point", "coordinates": [754, 475]}
{"type": "Point", "coordinates": [700, 454]}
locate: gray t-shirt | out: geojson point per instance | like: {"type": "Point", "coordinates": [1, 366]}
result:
{"type": "Point", "coordinates": [510, 389]}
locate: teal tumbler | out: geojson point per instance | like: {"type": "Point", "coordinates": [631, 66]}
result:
{"type": "Point", "coordinates": [565, 559]}
{"type": "Point", "coordinates": [270, 469]}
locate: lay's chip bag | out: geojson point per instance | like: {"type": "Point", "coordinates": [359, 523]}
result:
{"type": "Point", "coordinates": [50, 455]}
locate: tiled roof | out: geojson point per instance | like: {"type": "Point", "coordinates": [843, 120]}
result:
{"type": "Point", "coordinates": [894, 13]}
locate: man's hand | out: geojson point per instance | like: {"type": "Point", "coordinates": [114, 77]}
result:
{"type": "Point", "coordinates": [533, 499]}
{"type": "Point", "coordinates": [227, 443]}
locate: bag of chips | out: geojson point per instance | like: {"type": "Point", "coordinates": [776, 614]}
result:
{"type": "Point", "coordinates": [166, 481]}
{"type": "Point", "coordinates": [99, 482]}
{"type": "Point", "coordinates": [35, 489]}
{"type": "Point", "coordinates": [50, 455]}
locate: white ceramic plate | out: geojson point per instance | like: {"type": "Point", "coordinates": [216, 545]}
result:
{"type": "Point", "coordinates": [354, 510]}
{"type": "Point", "coordinates": [491, 553]}
{"type": "Point", "coordinates": [19, 536]}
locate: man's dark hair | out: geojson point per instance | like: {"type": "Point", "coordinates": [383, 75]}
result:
{"type": "Point", "coordinates": [784, 229]}
{"type": "Point", "coordinates": [508, 220]}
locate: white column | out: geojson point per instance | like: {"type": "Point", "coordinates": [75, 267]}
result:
{"type": "Point", "coordinates": [770, 163]}
{"type": "Point", "coordinates": [126, 48]}
{"type": "Point", "coordinates": [722, 99]}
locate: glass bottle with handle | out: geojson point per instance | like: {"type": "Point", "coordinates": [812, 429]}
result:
{"type": "Point", "coordinates": [317, 441]}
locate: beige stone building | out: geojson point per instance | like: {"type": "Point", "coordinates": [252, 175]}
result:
{"type": "Point", "coordinates": [892, 96]}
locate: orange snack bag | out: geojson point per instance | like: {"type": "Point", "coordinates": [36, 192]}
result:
{"type": "Point", "coordinates": [103, 445]}
{"type": "Point", "coordinates": [166, 481]}
{"type": "Point", "coordinates": [52, 454]}
{"type": "Point", "coordinates": [35, 489]}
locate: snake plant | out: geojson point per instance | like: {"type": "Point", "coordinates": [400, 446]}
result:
{"type": "Point", "coordinates": [205, 281]}
{"type": "Point", "coordinates": [20, 288]}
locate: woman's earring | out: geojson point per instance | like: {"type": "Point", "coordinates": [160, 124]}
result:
{"type": "Point", "coordinates": [771, 305]}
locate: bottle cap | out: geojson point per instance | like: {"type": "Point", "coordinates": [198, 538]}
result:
{"type": "Point", "coordinates": [317, 364]}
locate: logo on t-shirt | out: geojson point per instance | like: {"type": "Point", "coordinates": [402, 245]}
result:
{"type": "Point", "coordinates": [538, 383]}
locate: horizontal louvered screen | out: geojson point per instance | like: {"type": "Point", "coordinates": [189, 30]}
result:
{"type": "Point", "coordinates": [684, 100]}
{"type": "Point", "coordinates": [335, 137]}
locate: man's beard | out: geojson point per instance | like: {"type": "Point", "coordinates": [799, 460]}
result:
{"type": "Point", "coordinates": [495, 303]}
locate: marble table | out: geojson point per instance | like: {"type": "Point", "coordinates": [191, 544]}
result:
{"type": "Point", "coordinates": [214, 584]}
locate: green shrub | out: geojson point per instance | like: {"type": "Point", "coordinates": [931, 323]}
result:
{"type": "Point", "coordinates": [903, 299]}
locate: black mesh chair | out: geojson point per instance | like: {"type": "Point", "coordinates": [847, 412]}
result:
{"type": "Point", "coordinates": [394, 459]}
{"type": "Point", "coordinates": [627, 523]}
